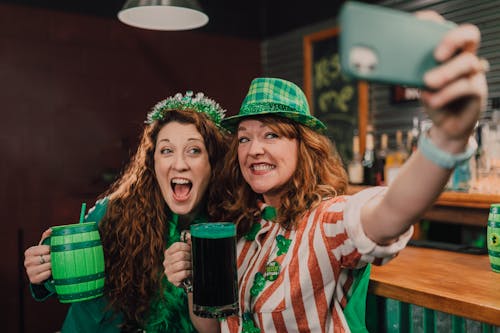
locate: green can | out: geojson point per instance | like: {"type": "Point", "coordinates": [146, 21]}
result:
{"type": "Point", "coordinates": [493, 236]}
{"type": "Point", "coordinates": [77, 260]}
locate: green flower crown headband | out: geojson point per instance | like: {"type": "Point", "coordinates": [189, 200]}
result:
{"type": "Point", "coordinates": [198, 103]}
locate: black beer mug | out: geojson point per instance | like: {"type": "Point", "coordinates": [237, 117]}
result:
{"type": "Point", "coordinates": [215, 280]}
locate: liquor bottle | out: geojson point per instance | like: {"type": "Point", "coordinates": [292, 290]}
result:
{"type": "Point", "coordinates": [482, 166]}
{"type": "Point", "coordinates": [409, 140]}
{"type": "Point", "coordinates": [395, 159]}
{"type": "Point", "coordinates": [461, 176]}
{"type": "Point", "coordinates": [491, 140]}
{"type": "Point", "coordinates": [400, 148]}
{"type": "Point", "coordinates": [413, 134]}
{"type": "Point", "coordinates": [355, 168]}
{"type": "Point", "coordinates": [381, 157]}
{"type": "Point", "coordinates": [369, 162]}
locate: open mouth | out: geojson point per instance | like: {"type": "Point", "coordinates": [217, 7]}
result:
{"type": "Point", "coordinates": [181, 187]}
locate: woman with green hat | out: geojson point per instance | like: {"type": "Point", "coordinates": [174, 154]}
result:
{"type": "Point", "coordinates": [303, 242]}
{"type": "Point", "coordinates": [165, 188]}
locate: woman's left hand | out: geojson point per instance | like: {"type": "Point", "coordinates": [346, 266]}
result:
{"type": "Point", "coordinates": [37, 261]}
{"type": "Point", "coordinates": [177, 262]}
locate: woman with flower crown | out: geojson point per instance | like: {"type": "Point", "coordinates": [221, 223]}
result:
{"type": "Point", "coordinates": [305, 248]}
{"type": "Point", "coordinates": [164, 189]}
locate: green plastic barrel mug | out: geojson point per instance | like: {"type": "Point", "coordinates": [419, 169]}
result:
{"type": "Point", "coordinates": [77, 260]}
{"type": "Point", "coordinates": [493, 236]}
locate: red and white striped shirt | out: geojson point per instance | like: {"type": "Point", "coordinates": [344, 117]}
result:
{"type": "Point", "coordinates": [309, 294]}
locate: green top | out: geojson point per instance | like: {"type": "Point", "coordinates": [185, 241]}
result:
{"type": "Point", "coordinates": [170, 314]}
{"type": "Point", "coordinates": [355, 309]}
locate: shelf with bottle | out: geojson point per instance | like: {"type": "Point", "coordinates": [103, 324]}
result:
{"type": "Point", "coordinates": [468, 206]}
{"type": "Point", "coordinates": [369, 161]}
{"type": "Point", "coordinates": [395, 158]}
{"type": "Point", "coordinates": [485, 166]}
{"type": "Point", "coordinates": [355, 166]}
{"type": "Point", "coordinates": [363, 170]}
{"type": "Point", "coordinates": [381, 156]}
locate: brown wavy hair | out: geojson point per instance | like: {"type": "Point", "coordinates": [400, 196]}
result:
{"type": "Point", "coordinates": [319, 174]}
{"type": "Point", "coordinates": [134, 229]}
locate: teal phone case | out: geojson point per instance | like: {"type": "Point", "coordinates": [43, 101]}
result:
{"type": "Point", "coordinates": [385, 45]}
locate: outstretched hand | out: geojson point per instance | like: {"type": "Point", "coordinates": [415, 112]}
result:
{"type": "Point", "coordinates": [456, 96]}
{"type": "Point", "coordinates": [458, 88]}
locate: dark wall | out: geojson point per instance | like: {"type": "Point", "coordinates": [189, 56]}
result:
{"type": "Point", "coordinates": [74, 93]}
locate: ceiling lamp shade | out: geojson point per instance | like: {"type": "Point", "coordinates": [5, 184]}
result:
{"type": "Point", "coordinates": [163, 14]}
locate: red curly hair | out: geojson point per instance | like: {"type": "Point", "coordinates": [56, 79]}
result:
{"type": "Point", "coordinates": [319, 174]}
{"type": "Point", "coordinates": [134, 229]}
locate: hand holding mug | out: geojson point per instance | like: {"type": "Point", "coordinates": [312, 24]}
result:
{"type": "Point", "coordinates": [37, 261]}
{"type": "Point", "coordinates": [72, 257]}
{"type": "Point", "coordinates": [177, 262]}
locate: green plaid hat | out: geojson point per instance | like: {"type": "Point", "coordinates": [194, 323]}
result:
{"type": "Point", "coordinates": [271, 96]}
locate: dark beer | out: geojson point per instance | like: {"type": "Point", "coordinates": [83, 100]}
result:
{"type": "Point", "coordinates": [215, 287]}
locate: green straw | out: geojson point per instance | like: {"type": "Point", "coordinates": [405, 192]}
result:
{"type": "Point", "coordinates": [82, 212]}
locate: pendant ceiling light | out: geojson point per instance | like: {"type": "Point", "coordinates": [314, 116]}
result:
{"type": "Point", "coordinates": [163, 14]}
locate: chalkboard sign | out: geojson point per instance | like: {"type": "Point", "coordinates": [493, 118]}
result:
{"type": "Point", "coordinates": [339, 102]}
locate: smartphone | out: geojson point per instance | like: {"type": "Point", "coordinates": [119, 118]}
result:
{"type": "Point", "coordinates": [385, 45]}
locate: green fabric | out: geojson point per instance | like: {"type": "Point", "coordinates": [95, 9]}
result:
{"type": "Point", "coordinates": [173, 234]}
{"type": "Point", "coordinates": [256, 226]}
{"type": "Point", "coordinates": [171, 313]}
{"type": "Point", "coordinates": [96, 213]}
{"type": "Point", "coordinates": [271, 96]}
{"type": "Point", "coordinates": [269, 213]}
{"type": "Point", "coordinates": [355, 310]}
{"type": "Point", "coordinates": [91, 316]}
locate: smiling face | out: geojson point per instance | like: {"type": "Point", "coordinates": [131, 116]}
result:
{"type": "Point", "coordinates": [182, 166]}
{"type": "Point", "coordinates": [267, 159]}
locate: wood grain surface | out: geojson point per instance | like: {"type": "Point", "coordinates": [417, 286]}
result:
{"type": "Point", "coordinates": [456, 283]}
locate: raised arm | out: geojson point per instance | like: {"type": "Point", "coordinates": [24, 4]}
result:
{"type": "Point", "coordinates": [457, 96]}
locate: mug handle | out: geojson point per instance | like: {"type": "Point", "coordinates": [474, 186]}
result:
{"type": "Point", "coordinates": [46, 241]}
{"type": "Point", "coordinates": [186, 284]}
{"type": "Point", "coordinates": [49, 283]}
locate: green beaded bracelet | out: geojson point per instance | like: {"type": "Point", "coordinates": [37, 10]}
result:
{"type": "Point", "coordinates": [441, 157]}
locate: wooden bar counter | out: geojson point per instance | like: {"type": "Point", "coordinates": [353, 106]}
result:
{"type": "Point", "coordinates": [451, 282]}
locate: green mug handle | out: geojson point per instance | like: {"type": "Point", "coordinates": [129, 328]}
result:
{"type": "Point", "coordinates": [49, 283]}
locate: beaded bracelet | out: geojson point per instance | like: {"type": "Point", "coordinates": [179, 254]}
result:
{"type": "Point", "coordinates": [442, 158]}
